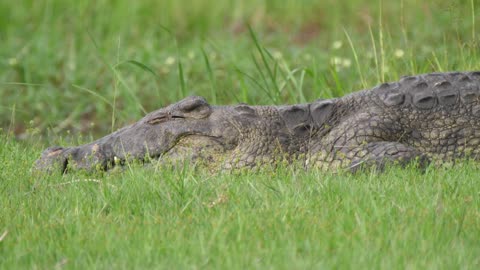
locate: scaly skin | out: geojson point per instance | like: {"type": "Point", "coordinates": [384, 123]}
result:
{"type": "Point", "coordinates": [427, 117]}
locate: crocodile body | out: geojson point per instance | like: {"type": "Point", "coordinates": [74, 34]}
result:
{"type": "Point", "coordinates": [429, 117]}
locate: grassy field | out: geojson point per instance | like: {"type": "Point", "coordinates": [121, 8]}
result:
{"type": "Point", "coordinates": [71, 72]}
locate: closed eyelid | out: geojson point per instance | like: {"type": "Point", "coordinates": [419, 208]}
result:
{"type": "Point", "coordinates": [163, 118]}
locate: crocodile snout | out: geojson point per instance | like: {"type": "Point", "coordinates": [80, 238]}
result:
{"type": "Point", "coordinates": [53, 159]}
{"type": "Point", "coordinates": [58, 159]}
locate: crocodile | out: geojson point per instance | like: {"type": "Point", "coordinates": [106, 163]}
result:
{"type": "Point", "coordinates": [421, 119]}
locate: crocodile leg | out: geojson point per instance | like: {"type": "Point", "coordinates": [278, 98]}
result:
{"type": "Point", "coordinates": [380, 154]}
{"type": "Point", "coordinates": [365, 140]}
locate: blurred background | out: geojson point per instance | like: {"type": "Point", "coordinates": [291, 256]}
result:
{"type": "Point", "coordinates": [81, 69]}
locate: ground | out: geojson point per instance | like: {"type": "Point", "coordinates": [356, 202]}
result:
{"type": "Point", "coordinates": [73, 72]}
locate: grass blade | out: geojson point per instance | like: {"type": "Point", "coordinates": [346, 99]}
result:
{"type": "Point", "coordinates": [262, 52]}
{"type": "Point", "coordinates": [364, 83]}
{"type": "Point", "coordinates": [181, 78]}
{"type": "Point", "coordinates": [93, 93]}
{"type": "Point", "coordinates": [211, 77]}
{"type": "Point", "coordinates": [140, 65]}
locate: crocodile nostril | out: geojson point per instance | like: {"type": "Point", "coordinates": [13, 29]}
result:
{"type": "Point", "coordinates": [95, 148]}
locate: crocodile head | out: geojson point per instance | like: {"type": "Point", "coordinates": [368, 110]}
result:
{"type": "Point", "coordinates": [238, 135]}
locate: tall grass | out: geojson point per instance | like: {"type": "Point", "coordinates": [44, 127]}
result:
{"type": "Point", "coordinates": [53, 51]}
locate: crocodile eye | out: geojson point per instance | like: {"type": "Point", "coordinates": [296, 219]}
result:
{"type": "Point", "coordinates": [157, 120]}
{"type": "Point", "coordinates": [163, 118]}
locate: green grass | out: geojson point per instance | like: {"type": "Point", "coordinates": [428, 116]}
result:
{"type": "Point", "coordinates": [70, 72]}
{"type": "Point", "coordinates": [288, 218]}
